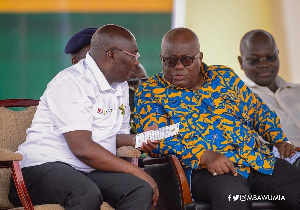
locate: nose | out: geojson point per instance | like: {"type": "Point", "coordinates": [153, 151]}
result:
{"type": "Point", "coordinates": [136, 62]}
{"type": "Point", "coordinates": [263, 62]}
{"type": "Point", "coordinates": [179, 65]}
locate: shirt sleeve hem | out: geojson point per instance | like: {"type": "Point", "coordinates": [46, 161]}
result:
{"type": "Point", "coordinates": [74, 128]}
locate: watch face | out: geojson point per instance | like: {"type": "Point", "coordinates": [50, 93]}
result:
{"type": "Point", "coordinates": [158, 134]}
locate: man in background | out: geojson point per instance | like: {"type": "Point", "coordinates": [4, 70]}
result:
{"type": "Point", "coordinates": [260, 61]}
{"type": "Point", "coordinates": [138, 77]}
{"type": "Point", "coordinates": [79, 44]}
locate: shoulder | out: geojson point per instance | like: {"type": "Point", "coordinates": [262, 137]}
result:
{"type": "Point", "coordinates": [221, 69]}
{"type": "Point", "coordinates": [73, 75]}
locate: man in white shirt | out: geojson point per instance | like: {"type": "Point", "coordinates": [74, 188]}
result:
{"type": "Point", "coordinates": [259, 59]}
{"type": "Point", "coordinates": [83, 116]}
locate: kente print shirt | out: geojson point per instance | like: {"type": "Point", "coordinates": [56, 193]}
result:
{"type": "Point", "coordinates": [223, 116]}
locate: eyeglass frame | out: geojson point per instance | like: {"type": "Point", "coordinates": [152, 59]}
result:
{"type": "Point", "coordinates": [255, 62]}
{"type": "Point", "coordinates": [191, 57]}
{"type": "Point", "coordinates": [136, 56]}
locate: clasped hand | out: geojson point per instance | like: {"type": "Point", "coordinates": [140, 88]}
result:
{"type": "Point", "coordinates": [217, 164]}
{"type": "Point", "coordinates": [286, 149]}
{"type": "Point", "coordinates": [150, 145]}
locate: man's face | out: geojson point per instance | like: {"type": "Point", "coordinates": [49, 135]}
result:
{"type": "Point", "coordinates": [126, 62]}
{"type": "Point", "coordinates": [260, 61]}
{"type": "Point", "coordinates": [181, 75]}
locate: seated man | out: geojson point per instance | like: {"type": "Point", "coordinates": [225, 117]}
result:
{"type": "Point", "coordinates": [83, 116]}
{"type": "Point", "coordinates": [220, 121]}
{"type": "Point", "coordinates": [79, 45]}
{"type": "Point", "coordinates": [260, 61]}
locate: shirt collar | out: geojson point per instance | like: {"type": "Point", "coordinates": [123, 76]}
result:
{"type": "Point", "coordinates": [249, 82]}
{"type": "Point", "coordinates": [100, 79]}
{"type": "Point", "coordinates": [102, 83]}
{"type": "Point", "coordinates": [278, 80]}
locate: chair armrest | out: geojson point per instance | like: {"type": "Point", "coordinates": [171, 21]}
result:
{"type": "Point", "coordinates": [21, 187]}
{"type": "Point", "coordinates": [7, 155]}
{"type": "Point", "coordinates": [129, 154]}
{"type": "Point", "coordinates": [128, 151]}
{"type": "Point", "coordinates": [171, 180]}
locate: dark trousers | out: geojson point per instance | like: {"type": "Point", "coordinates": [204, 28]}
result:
{"type": "Point", "coordinates": [229, 192]}
{"type": "Point", "coordinates": [60, 183]}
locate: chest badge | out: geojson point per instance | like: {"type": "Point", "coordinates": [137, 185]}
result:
{"type": "Point", "coordinates": [122, 108]}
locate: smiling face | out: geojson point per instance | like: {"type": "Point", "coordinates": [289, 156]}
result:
{"type": "Point", "coordinates": [178, 43]}
{"type": "Point", "coordinates": [259, 58]}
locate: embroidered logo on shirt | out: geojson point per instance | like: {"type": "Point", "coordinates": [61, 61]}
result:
{"type": "Point", "coordinates": [104, 112]}
{"type": "Point", "coordinates": [122, 108]}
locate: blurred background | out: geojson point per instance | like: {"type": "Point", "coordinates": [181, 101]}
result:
{"type": "Point", "coordinates": [33, 33]}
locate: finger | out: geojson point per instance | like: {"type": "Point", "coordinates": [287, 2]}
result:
{"type": "Point", "coordinates": [142, 149]}
{"type": "Point", "coordinates": [219, 171]}
{"type": "Point", "coordinates": [155, 196]}
{"type": "Point", "coordinates": [156, 142]}
{"type": "Point", "coordinates": [145, 148]}
{"type": "Point", "coordinates": [211, 170]}
{"type": "Point", "coordinates": [281, 152]}
{"type": "Point", "coordinates": [151, 144]}
{"type": "Point", "coordinates": [225, 169]}
{"type": "Point", "coordinates": [231, 167]}
{"type": "Point", "coordinates": [287, 150]}
{"type": "Point", "coordinates": [297, 149]}
{"type": "Point", "coordinates": [292, 151]}
{"type": "Point", "coordinates": [152, 127]}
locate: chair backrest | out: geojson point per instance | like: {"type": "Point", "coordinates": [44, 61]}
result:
{"type": "Point", "coordinates": [171, 180]}
{"type": "Point", "coordinates": [13, 125]}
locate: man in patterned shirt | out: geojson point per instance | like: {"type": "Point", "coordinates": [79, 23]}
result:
{"type": "Point", "coordinates": [220, 121]}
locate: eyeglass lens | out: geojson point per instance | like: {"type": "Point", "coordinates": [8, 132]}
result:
{"type": "Point", "coordinates": [185, 60]}
{"type": "Point", "coordinates": [270, 58]}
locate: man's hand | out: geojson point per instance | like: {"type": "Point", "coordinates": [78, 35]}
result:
{"type": "Point", "coordinates": [286, 149]}
{"type": "Point", "coordinates": [150, 145]}
{"type": "Point", "coordinates": [217, 164]}
{"type": "Point", "coordinates": [154, 186]}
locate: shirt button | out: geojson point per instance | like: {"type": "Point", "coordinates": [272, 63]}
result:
{"type": "Point", "coordinates": [215, 136]}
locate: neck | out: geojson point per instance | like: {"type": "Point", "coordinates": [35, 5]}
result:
{"type": "Point", "coordinates": [273, 86]}
{"type": "Point", "coordinates": [199, 83]}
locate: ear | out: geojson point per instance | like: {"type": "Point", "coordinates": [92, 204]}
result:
{"type": "Point", "coordinates": [110, 55]}
{"type": "Point", "coordinates": [240, 59]}
{"type": "Point", "coordinates": [201, 56]}
{"type": "Point", "coordinates": [74, 61]}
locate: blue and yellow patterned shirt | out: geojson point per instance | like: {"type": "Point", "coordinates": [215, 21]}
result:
{"type": "Point", "coordinates": [222, 116]}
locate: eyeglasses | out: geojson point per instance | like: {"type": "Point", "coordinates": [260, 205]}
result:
{"type": "Point", "coordinates": [172, 62]}
{"type": "Point", "coordinates": [256, 61]}
{"type": "Point", "coordinates": [136, 56]}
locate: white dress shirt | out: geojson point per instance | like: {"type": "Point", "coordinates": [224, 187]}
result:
{"type": "Point", "coordinates": [285, 102]}
{"type": "Point", "coordinates": [77, 98]}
